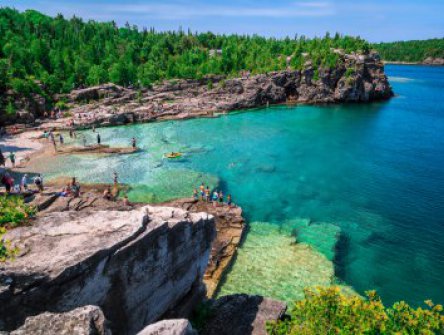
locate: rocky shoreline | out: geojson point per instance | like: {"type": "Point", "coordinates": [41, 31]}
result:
{"type": "Point", "coordinates": [61, 221]}
{"type": "Point", "coordinates": [357, 78]}
{"type": "Point", "coordinates": [427, 61]}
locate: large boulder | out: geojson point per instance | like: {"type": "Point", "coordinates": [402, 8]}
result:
{"type": "Point", "coordinates": [87, 320]}
{"type": "Point", "coordinates": [136, 265]}
{"type": "Point", "coordinates": [169, 327]}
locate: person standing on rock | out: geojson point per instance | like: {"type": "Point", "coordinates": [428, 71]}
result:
{"type": "Point", "coordinates": [2, 158]}
{"type": "Point", "coordinates": [133, 142]}
{"type": "Point", "coordinates": [229, 201]}
{"type": "Point", "coordinates": [38, 182]}
{"type": "Point", "coordinates": [74, 188]}
{"type": "Point", "coordinates": [12, 158]}
{"type": "Point", "coordinates": [207, 194]}
{"type": "Point", "coordinates": [98, 139]}
{"type": "Point", "coordinates": [24, 183]}
{"type": "Point", "coordinates": [116, 178]}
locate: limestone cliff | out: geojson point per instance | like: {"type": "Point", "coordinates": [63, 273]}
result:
{"type": "Point", "coordinates": [136, 265]}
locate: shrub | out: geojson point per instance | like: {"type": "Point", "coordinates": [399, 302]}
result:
{"type": "Point", "coordinates": [14, 211]}
{"type": "Point", "coordinates": [349, 72]}
{"type": "Point", "coordinates": [210, 85]}
{"type": "Point", "coordinates": [10, 109]}
{"type": "Point", "coordinates": [61, 105]}
{"type": "Point", "coordinates": [328, 311]}
{"type": "Point", "coordinates": [6, 252]}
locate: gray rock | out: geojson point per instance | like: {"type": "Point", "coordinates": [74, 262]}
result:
{"type": "Point", "coordinates": [242, 314]}
{"type": "Point", "coordinates": [169, 327]}
{"type": "Point", "coordinates": [87, 320]}
{"type": "Point", "coordinates": [136, 265]}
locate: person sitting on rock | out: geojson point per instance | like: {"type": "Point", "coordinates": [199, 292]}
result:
{"type": "Point", "coordinates": [107, 193]}
{"type": "Point", "coordinates": [126, 201]}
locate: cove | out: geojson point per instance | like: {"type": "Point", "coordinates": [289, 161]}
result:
{"type": "Point", "coordinates": [360, 186]}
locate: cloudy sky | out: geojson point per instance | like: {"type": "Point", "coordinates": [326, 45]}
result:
{"type": "Point", "coordinates": [375, 20]}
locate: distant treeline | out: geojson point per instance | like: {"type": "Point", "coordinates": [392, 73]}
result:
{"type": "Point", "coordinates": [46, 55]}
{"type": "Point", "coordinates": [411, 51]}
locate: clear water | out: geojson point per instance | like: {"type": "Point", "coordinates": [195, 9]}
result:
{"type": "Point", "coordinates": [360, 187]}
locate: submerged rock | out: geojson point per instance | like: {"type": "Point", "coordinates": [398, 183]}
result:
{"type": "Point", "coordinates": [272, 264]}
{"type": "Point", "coordinates": [136, 265]}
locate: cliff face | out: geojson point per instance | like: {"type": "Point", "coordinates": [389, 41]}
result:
{"type": "Point", "coordinates": [136, 265]}
{"type": "Point", "coordinates": [356, 78]}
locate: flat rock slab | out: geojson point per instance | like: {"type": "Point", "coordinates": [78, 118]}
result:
{"type": "Point", "coordinates": [87, 320]}
{"type": "Point", "coordinates": [242, 314]}
{"type": "Point", "coordinates": [59, 241]}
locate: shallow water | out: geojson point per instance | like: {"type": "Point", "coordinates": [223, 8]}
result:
{"type": "Point", "coordinates": [366, 180]}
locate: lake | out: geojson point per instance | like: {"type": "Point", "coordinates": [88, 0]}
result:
{"type": "Point", "coordinates": [359, 186]}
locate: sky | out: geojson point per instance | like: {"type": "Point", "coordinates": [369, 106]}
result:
{"type": "Point", "coordinates": [374, 20]}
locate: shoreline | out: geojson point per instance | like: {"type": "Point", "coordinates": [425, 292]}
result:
{"type": "Point", "coordinates": [411, 63]}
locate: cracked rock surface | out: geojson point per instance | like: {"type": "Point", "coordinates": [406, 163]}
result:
{"type": "Point", "coordinates": [136, 265]}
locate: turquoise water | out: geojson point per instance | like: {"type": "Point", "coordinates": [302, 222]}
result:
{"type": "Point", "coordinates": [364, 184]}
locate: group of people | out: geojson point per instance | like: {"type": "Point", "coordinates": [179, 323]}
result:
{"type": "Point", "coordinates": [216, 197]}
{"type": "Point", "coordinates": [9, 183]}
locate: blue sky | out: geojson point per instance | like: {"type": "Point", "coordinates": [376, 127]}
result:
{"type": "Point", "coordinates": [373, 20]}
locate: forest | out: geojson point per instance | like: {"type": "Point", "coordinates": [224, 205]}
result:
{"type": "Point", "coordinates": [47, 55]}
{"type": "Point", "coordinates": [411, 51]}
{"type": "Point", "coordinates": [51, 55]}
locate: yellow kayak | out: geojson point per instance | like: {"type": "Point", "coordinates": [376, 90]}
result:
{"type": "Point", "coordinates": [173, 155]}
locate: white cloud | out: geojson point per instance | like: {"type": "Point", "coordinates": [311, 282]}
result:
{"type": "Point", "coordinates": [180, 10]}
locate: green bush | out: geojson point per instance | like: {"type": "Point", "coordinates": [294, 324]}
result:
{"type": "Point", "coordinates": [328, 311]}
{"type": "Point", "coordinates": [6, 252]}
{"type": "Point", "coordinates": [14, 211]}
{"type": "Point", "coordinates": [349, 72]}
{"type": "Point", "coordinates": [10, 109]}
{"type": "Point", "coordinates": [61, 105]}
